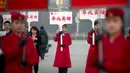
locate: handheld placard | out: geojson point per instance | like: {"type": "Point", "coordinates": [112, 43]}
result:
{"type": "Point", "coordinates": [61, 41]}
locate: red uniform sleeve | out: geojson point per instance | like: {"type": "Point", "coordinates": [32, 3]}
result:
{"type": "Point", "coordinates": [33, 58]}
{"type": "Point", "coordinates": [10, 49]}
{"type": "Point", "coordinates": [93, 56]}
{"type": "Point", "coordinates": [57, 38]}
{"type": "Point", "coordinates": [120, 67]}
{"type": "Point", "coordinates": [89, 39]}
{"type": "Point", "coordinates": [67, 41]}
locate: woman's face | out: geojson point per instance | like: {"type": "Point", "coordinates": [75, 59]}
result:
{"type": "Point", "coordinates": [114, 25]}
{"type": "Point", "coordinates": [33, 31]}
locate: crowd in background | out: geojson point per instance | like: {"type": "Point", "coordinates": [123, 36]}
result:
{"type": "Point", "coordinates": [37, 35]}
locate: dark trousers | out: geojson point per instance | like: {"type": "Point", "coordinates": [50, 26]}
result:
{"type": "Point", "coordinates": [63, 70]}
{"type": "Point", "coordinates": [42, 53]}
{"type": "Point", "coordinates": [2, 63]}
{"type": "Point", "coordinates": [36, 68]}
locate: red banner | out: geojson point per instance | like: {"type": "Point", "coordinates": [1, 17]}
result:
{"type": "Point", "coordinates": [27, 4]}
{"type": "Point", "coordinates": [99, 3]}
{"type": "Point", "coordinates": [2, 5]}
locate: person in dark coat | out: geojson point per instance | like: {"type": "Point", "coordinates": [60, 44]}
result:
{"type": "Point", "coordinates": [128, 37]}
{"type": "Point", "coordinates": [2, 62]}
{"type": "Point", "coordinates": [36, 39]}
{"type": "Point", "coordinates": [2, 59]}
{"type": "Point", "coordinates": [44, 42]}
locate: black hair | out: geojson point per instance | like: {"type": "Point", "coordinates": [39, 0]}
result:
{"type": "Point", "coordinates": [42, 27]}
{"type": "Point", "coordinates": [123, 26]}
{"type": "Point", "coordinates": [129, 31]}
{"type": "Point", "coordinates": [123, 29]}
{"type": "Point", "coordinates": [7, 22]}
{"type": "Point", "coordinates": [96, 23]}
{"type": "Point", "coordinates": [65, 25]}
{"type": "Point", "coordinates": [34, 28]}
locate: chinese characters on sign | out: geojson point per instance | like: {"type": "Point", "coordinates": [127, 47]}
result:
{"type": "Point", "coordinates": [60, 17]}
{"type": "Point", "coordinates": [95, 12]}
{"type": "Point", "coordinates": [28, 17]}
{"type": "Point", "coordinates": [92, 13]}
{"type": "Point", "coordinates": [32, 16]}
{"type": "Point", "coordinates": [68, 18]}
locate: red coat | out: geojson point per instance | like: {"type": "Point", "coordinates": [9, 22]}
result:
{"type": "Point", "coordinates": [116, 55]}
{"type": "Point", "coordinates": [88, 68]}
{"type": "Point", "coordinates": [13, 54]}
{"type": "Point", "coordinates": [62, 58]}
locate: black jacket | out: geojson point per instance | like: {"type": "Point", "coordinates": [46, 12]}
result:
{"type": "Point", "coordinates": [44, 37]}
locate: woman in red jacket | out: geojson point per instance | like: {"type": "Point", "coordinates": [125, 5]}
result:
{"type": "Point", "coordinates": [20, 52]}
{"type": "Point", "coordinates": [89, 69]}
{"type": "Point", "coordinates": [62, 58]}
{"type": "Point", "coordinates": [115, 47]}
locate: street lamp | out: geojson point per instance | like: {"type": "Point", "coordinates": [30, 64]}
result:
{"type": "Point", "coordinates": [59, 3]}
{"type": "Point", "coordinates": [77, 20]}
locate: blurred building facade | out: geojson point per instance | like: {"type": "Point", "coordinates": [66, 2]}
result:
{"type": "Point", "coordinates": [84, 26]}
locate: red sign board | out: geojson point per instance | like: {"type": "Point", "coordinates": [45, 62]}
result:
{"type": "Point", "coordinates": [27, 4]}
{"type": "Point", "coordinates": [99, 3]}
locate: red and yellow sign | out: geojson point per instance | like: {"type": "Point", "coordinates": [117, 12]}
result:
{"type": "Point", "coordinates": [2, 5]}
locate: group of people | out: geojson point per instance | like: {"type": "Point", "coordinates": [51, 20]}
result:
{"type": "Point", "coordinates": [109, 53]}
{"type": "Point", "coordinates": [20, 49]}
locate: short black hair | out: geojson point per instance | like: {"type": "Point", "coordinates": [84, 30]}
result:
{"type": "Point", "coordinates": [7, 22]}
{"type": "Point", "coordinates": [129, 31]}
{"type": "Point", "coordinates": [96, 23]}
{"type": "Point", "coordinates": [34, 28]}
{"type": "Point", "coordinates": [42, 27]}
{"type": "Point", "coordinates": [65, 25]}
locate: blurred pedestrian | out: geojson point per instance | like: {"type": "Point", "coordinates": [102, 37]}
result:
{"type": "Point", "coordinates": [26, 28]}
{"type": "Point", "coordinates": [44, 42]}
{"type": "Point", "coordinates": [115, 47]}
{"type": "Point", "coordinates": [7, 26]}
{"type": "Point", "coordinates": [1, 22]}
{"type": "Point", "coordinates": [62, 58]}
{"type": "Point", "coordinates": [94, 31]}
{"type": "Point", "coordinates": [36, 39]}
{"type": "Point", "coordinates": [128, 37]}
{"type": "Point", "coordinates": [19, 51]}
{"type": "Point", "coordinates": [2, 58]}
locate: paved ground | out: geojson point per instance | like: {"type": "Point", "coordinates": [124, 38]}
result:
{"type": "Point", "coordinates": [79, 50]}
